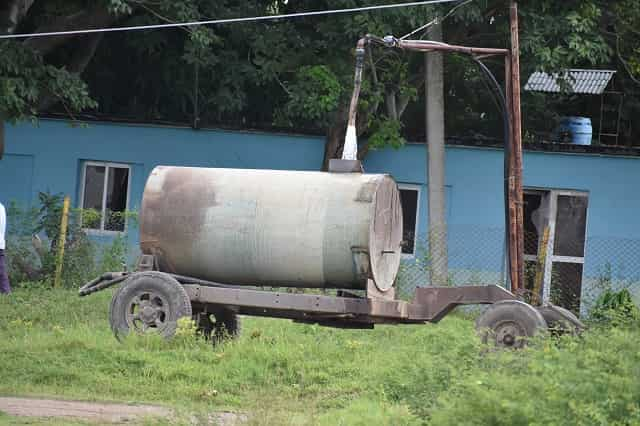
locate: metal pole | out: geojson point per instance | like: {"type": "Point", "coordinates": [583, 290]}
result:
{"type": "Point", "coordinates": [61, 241]}
{"type": "Point", "coordinates": [517, 149]}
{"type": "Point", "coordinates": [434, 102]}
{"type": "Point", "coordinates": [428, 45]}
{"type": "Point", "coordinates": [510, 224]}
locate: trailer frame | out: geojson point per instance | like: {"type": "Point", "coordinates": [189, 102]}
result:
{"type": "Point", "coordinates": [509, 322]}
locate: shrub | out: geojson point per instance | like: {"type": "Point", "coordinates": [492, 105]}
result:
{"type": "Point", "coordinates": [33, 236]}
{"type": "Point", "coordinates": [615, 308]}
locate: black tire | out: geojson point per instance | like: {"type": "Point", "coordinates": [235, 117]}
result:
{"type": "Point", "coordinates": [561, 321]}
{"type": "Point", "coordinates": [218, 325]}
{"type": "Point", "coordinates": [510, 324]}
{"type": "Point", "coordinates": [148, 302]}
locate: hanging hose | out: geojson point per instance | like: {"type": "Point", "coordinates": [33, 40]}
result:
{"type": "Point", "coordinates": [507, 151]}
{"type": "Point", "coordinates": [350, 150]}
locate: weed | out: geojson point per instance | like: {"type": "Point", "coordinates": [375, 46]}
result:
{"type": "Point", "coordinates": [615, 308]}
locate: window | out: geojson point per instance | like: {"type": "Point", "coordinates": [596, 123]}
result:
{"type": "Point", "coordinates": [410, 200]}
{"type": "Point", "coordinates": [105, 196]}
{"type": "Point", "coordinates": [555, 223]}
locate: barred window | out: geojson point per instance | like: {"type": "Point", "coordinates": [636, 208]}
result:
{"type": "Point", "coordinates": [105, 196]}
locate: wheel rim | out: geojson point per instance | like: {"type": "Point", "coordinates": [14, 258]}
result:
{"type": "Point", "coordinates": [147, 311]}
{"type": "Point", "coordinates": [509, 334]}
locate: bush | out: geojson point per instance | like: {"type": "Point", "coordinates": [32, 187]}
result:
{"type": "Point", "coordinates": [591, 380]}
{"type": "Point", "coordinates": [32, 245]}
{"type": "Point", "coordinates": [615, 308]}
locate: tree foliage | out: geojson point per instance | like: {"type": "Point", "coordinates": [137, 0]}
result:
{"type": "Point", "coordinates": [26, 80]}
{"type": "Point", "coordinates": [297, 73]}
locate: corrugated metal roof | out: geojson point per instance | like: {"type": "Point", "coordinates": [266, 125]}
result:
{"type": "Point", "coordinates": [592, 82]}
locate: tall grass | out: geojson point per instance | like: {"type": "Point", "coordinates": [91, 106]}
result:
{"type": "Point", "coordinates": [278, 372]}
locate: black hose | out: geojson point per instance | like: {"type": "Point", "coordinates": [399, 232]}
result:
{"type": "Point", "coordinates": [507, 154]}
{"type": "Point", "coordinates": [104, 281]}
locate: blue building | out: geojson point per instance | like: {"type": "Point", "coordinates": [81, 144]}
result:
{"type": "Point", "coordinates": [581, 203]}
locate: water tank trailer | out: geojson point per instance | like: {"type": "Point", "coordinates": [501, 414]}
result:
{"type": "Point", "coordinates": [215, 242]}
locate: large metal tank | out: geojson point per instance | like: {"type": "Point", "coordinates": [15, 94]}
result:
{"type": "Point", "coordinates": [273, 228]}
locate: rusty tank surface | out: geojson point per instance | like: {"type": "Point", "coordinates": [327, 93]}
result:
{"type": "Point", "coordinates": [273, 228]}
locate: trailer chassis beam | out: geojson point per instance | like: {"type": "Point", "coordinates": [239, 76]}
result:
{"type": "Point", "coordinates": [430, 304]}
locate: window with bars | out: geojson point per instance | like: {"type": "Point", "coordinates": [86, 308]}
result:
{"type": "Point", "coordinates": [105, 196]}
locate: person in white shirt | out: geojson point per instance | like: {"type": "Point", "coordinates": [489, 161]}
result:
{"type": "Point", "coordinates": [4, 279]}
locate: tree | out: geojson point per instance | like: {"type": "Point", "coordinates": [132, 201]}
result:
{"type": "Point", "coordinates": [38, 71]}
{"type": "Point", "coordinates": [293, 73]}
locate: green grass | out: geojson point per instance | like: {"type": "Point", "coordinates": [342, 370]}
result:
{"type": "Point", "coordinates": [15, 421]}
{"type": "Point", "coordinates": [56, 344]}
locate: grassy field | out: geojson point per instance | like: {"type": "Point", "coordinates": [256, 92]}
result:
{"type": "Point", "coordinates": [55, 344]}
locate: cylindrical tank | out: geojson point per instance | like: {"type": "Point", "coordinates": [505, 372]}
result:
{"type": "Point", "coordinates": [579, 128]}
{"type": "Point", "coordinates": [273, 228]}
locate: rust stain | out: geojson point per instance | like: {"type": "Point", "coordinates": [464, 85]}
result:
{"type": "Point", "coordinates": [174, 215]}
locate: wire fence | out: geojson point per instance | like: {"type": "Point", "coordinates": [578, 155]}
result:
{"type": "Point", "coordinates": [565, 270]}
{"type": "Point", "coordinates": [474, 256]}
{"type": "Point", "coordinates": [561, 265]}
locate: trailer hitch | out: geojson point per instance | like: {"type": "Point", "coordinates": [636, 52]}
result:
{"type": "Point", "coordinates": [106, 280]}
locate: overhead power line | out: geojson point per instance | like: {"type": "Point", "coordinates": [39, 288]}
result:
{"type": "Point", "coordinates": [437, 20]}
{"type": "Point", "coordinates": [224, 21]}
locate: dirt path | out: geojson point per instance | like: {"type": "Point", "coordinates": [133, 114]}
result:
{"type": "Point", "coordinates": [99, 412]}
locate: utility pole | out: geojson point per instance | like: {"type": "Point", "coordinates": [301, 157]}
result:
{"type": "Point", "coordinates": [516, 201]}
{"type": "Point", "coordinates": [434, 103]}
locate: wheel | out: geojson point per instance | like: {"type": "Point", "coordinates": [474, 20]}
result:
{"type": "Point", "coordinates": [510, 324]}
{"type": "Point", "coordinates": [217, 325]}
{"type": "Point", "coordinates": [148, 302]}
{"type": "Point", "coordinates": [561, 320]}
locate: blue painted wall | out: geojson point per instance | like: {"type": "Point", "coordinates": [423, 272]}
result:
{"type": "Point", "coordinates": [476, 218]}
{"type": "Point", "coordinates": [16, 178]}
{"type": "Point", "coordinates": [49, 157]}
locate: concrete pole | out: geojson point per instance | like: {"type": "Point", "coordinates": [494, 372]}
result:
{"type": "Point", "coordinates": [434, 103]}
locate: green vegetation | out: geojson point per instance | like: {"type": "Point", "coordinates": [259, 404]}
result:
{"type": "Point", "coordinates": [59, 345]}
{"type": "Point", "coordinates": [298, 73]}
{"type": "Point", "coordinates": [15, 421]}
{"type": "Point", "coordinates": [34, 238]}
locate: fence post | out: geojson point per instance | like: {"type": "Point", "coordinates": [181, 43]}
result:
{"type": "Point", "coordinates": [542, 257]}
{"type": "Point", "coordinates": [63, 238]}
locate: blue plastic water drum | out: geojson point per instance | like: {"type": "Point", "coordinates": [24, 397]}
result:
{"type": "Point", "coordinates": [578, 127]}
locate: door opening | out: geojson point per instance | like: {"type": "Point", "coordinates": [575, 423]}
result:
{"type": "Point", "coordinates": [555, 223]}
